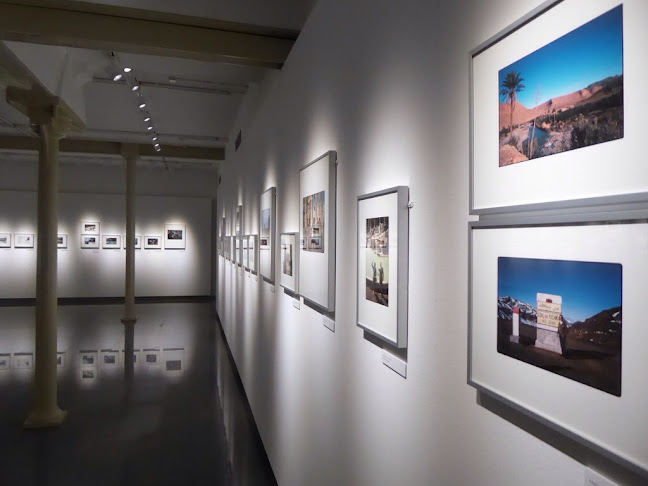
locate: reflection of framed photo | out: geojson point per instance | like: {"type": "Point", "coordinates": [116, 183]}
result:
{"type": "Point", "coordinates": [253, 253]}
{"type": "Point", "coordinates": [554, 327]}
{"type": "Point", "coordinates": [317, 189]}
{"type": "Point", "coordinates": [152, 242]}
{"type": "Point", "coordinates": [61, 241]}
{"type": "Point", "coordinates": [289, 278]}
{"type": "Point", "coordinates": [175, 237]}
{"type": "Point", "coordinates": [23, 241]}
{"type": "Point", "coordinates": [138, 242]}
{"type": "Point", "coordinates": [111, 242]}
{"type": "Point", "coordinates": [89, 241]}
{"type": "Point", "coordinates": [5, 240]}
{"type": "Point", "coordinates": [383, 262]}
{"type": "Point", "coordinates": [90, 228]}
{"type": "Point", "coordinates": [267, 221]}
{"type": "Point", "coordinates": [552, 105]}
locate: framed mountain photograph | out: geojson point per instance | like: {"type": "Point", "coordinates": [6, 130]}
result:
{"type": "Point", "coordinates": [556, 327]}
{"type": "Point", "coordinates": [317, 216]}
{"type": "Point", "coordinates": [267, 221]}
{"type": "Point", "coordinates": [383, 261]}
{"type": "Point", "coordinates": [289, 262]}
{"type": "Point", "coordinates": [552, 104]}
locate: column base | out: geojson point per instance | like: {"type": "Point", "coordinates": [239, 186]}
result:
{"type": "Point", "coordinates": [37, 420]}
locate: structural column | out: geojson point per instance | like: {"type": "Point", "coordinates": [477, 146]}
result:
{"type": "Point", "coordinates": [129, 152]}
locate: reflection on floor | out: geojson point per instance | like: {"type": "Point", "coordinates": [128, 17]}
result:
{"type": "Point", "coordinates": [167, 427]}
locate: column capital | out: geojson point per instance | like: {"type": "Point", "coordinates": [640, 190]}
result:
{"type": "Point", "coordinates": [44, 110]}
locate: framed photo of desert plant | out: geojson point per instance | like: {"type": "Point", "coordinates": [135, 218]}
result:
{"type": "Point", "coordinates": [556, 327]}
{"type": "Point", "coordinates": [289, 262]}
{"type": "Point", "coordinates": [267, 223]}
{"type": "Point", "coordinates": [317, 195]}
{"type": "Point", "coordinates": [552, 105]}
{"type": "Point", "coordinates": [383, 262]}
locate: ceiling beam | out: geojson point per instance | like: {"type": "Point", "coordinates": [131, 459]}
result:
{"type": "Point", "coordinates": [76, 146]}
{"type": "Point", "coordinates": [123, 29]}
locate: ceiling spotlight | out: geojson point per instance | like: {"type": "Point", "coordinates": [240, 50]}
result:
{"type": "Point", "coordinates": [147, 119]}
{"type": "Point", "coordinates": [157, 149]}
{"type": "Point", "coordinates": [127, 70]}
{"type": "Point", "coordinates": [157, 145]}
{"type": "Point", "coordinates": [117, 77]}
{"type": "Point", "coordinates": [142, 105]}
{"type": "Point", "coordinates": [135, 87]}
{"type": "Point", "coordinates": [155, 139]}
{"type": "Point", "coordinates": [149, 128]}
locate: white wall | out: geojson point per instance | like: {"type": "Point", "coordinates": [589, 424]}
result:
{"type": "Point", "coordinates": [386, 85]}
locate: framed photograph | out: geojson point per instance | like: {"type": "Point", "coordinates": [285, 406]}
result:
{"type": "Point", "coordinates": [89, 241]}
{"type": "Point", "coordinates": [253, 253]}
{"type": "Point", "coordinates": [5, 240]}
{"type": "Point", "coordinates": [151, 357]}
{"type": "Point", "coordinates": [88, 358]}
{"type": "Point", "coordinates": [245, 258]}
{"type": "Point", "coordinates": [60, 359]}
{"type": "Point", "coordinates": [565, 108]}
{"type": "Point", "coordinates": [109, 358]}
{"type": "Point", "coordinates": [238, 225]}
{"type": "Point", "coordinates": [383, 263]}
{"type": "Point", "coordinates": [221, 239]}
{"type": "Point", "coordinates": [23, 241]}
{"type": "Point", "coordinates": [152, 242]}
{"type": "Point", "coordinates": [88, 373]}
{"type": "Point", "coordinates": [173, 361]}
{"type": "Point", "coordinates": [61, 241]}
{"type": "Point", "coordinates": [23, 361]}
{"type": "Point", "coordinates": [237, 250]}
{"type": "Point", "coordinates": [317, 191]}
{"type": "Point", "coordinates": [138, 242]}
{"type": "Point", "coordinates": [289, 278]}
{"type": "Point", "coordinates": [5, 361]}
{"type": "Point", "coordinates": [175, 236]}
{"type": "Point", "coordinates": [267, 220]}
{"type": "Point", "coordinates": [555, 327]}
{"type": "Point", "coordinates": [111, 242]}
{"type": "Point", "coordinates": [90, 228]}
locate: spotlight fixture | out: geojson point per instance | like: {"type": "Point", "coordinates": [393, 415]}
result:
{"type": "Point", "coordinates": [135, 87]}
{"type": "Point", "coordinates": [147, 119]}
{"type": "Point", "coordinates": [149, 128]}
{"type": "Point", "coordinates": [127, 69]}
{"type": "Point", "coordinates": [117, 77]}
{"type": "Point", "coordinates": [158, 148]}
{"type": "Point", "coordinates": [142, 105]}
{"type": "Point", "coordinates": [155, 139]}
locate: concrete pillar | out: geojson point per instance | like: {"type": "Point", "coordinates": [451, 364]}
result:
{"type": "Point", "coordinates": [129, 319]}
{"type": "Point", "coordinates": [45, 411]}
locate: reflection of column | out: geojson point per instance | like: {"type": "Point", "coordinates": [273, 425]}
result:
{"type": "Point", "coordinates": [129, 153]}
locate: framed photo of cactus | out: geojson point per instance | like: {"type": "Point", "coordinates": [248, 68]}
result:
{"type": "Point", "coordinates": [555, 326]}
{"type": "Point", "coordinates": [552, 104]}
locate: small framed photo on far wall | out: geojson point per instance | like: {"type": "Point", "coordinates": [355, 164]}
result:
{"type": "Point", "coordinates": [175, 236]}
{"type": "Point", "coordinates": [152, 242]}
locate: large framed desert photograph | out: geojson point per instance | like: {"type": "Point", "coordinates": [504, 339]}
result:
{"type": "Point", "coordinates": [289, 262]}
{"type": "Point", "coordinates": [317, 216]}
{"type": "Point", "coordinates": [267, 221]}
{"type": "Point", "coordinates": [556, 328]}
{"type": "Point", "coordinates": [383, 261]}
{"type": "Point", "coordinates": [552, 105]}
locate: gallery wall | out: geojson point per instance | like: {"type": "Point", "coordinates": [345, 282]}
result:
{"type": "Point", "coordinates": [386, 85]}
{"type": "Point", "coordinates": [100, 272]}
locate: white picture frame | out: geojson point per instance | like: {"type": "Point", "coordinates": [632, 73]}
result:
{"type": "Point", "coordinates": [111, 242]}
{"type": "Point", "coordinates": [601, 173]}
{"type": "Point", "coordinates": [289, 262]}
{"type": "Point", "coordinates": [5, 361]}
{"type": "Point", "coordinates": [151, 357]}
{"type": "Point", "coordinates": [22, 361]}
{"type": "Point", "coordinates": [245, 256]}
{"type": "Point", "coordinates": [61, 357]}
{"type": "Point", "coordinates": [383, 264]}
{"type": "Point", "coordinates": [152, 242]}
{"type": "Point", "coordinates": [24, 240]}
{"type": "Point", "coordinates": [317, 195]}
{"type": "Point", "coordinates": [238, 221]}
{"type": "Point", "coordinates": [62, 241]}
{"type": "Point", "coordinates": [90, 228]}
{"type": "Point", "coordinates": [173, 361]}
{"type": "Point", "coordinates": [90, 241]}
{"type": "Point", "coordinates": [267, 228]}
{"type": "Point", "coordinates": [89, 357]}
{"type": "Point", "coordinates": [138, 242]}
{"type": "Point", "coordinates": [5, 240]}
{"type": "Point", "coordinates": [237, 250]}
{"type": "Point", "coordinates": [253, 253]}
{"type": "Point", "coordinates": [175, 237]}
{"type": "Point", "coordinates": [567, 404]}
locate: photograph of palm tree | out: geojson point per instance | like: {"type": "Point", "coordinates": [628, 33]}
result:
{"type": "Point", "coordinates": [377, 258]}
{"type": "Point", "coordinates": [566, 95]}
{"type": "Point", "coordinates": [577, 304]}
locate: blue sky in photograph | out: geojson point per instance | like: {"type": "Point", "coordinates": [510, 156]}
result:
{"type": "Point", "coordinates": [588, 54]}
{"type": "Point", "coordinates": [586, 288]}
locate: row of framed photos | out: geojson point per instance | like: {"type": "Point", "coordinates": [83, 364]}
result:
{"type": "Point", "coordinates": [307, 265]}
{"type": "Point", "coordinates": [556, 313]}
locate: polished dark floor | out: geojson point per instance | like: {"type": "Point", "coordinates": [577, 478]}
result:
{"type": "Point", "coordinates": [157, 430]}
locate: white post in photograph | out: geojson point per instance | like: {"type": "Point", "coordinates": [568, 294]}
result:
{"type": "Point", "coordinates": [515, 334]}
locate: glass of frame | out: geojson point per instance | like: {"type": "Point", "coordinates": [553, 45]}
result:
{"type": "Point", "coordinates": [556, 328]}
{"type": "Point", "coordinates": [565, 109]}
{"type": "Point", "coordinates": [289, 278]}
{"type": "Point", "coordinates": [383, 260]}
{"type": "Point", "coordinates": [317, 194]}
{"type": "Point", "coordinates": [175, 236]}
{"type": "Point", "coordinates": [267, 219]}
